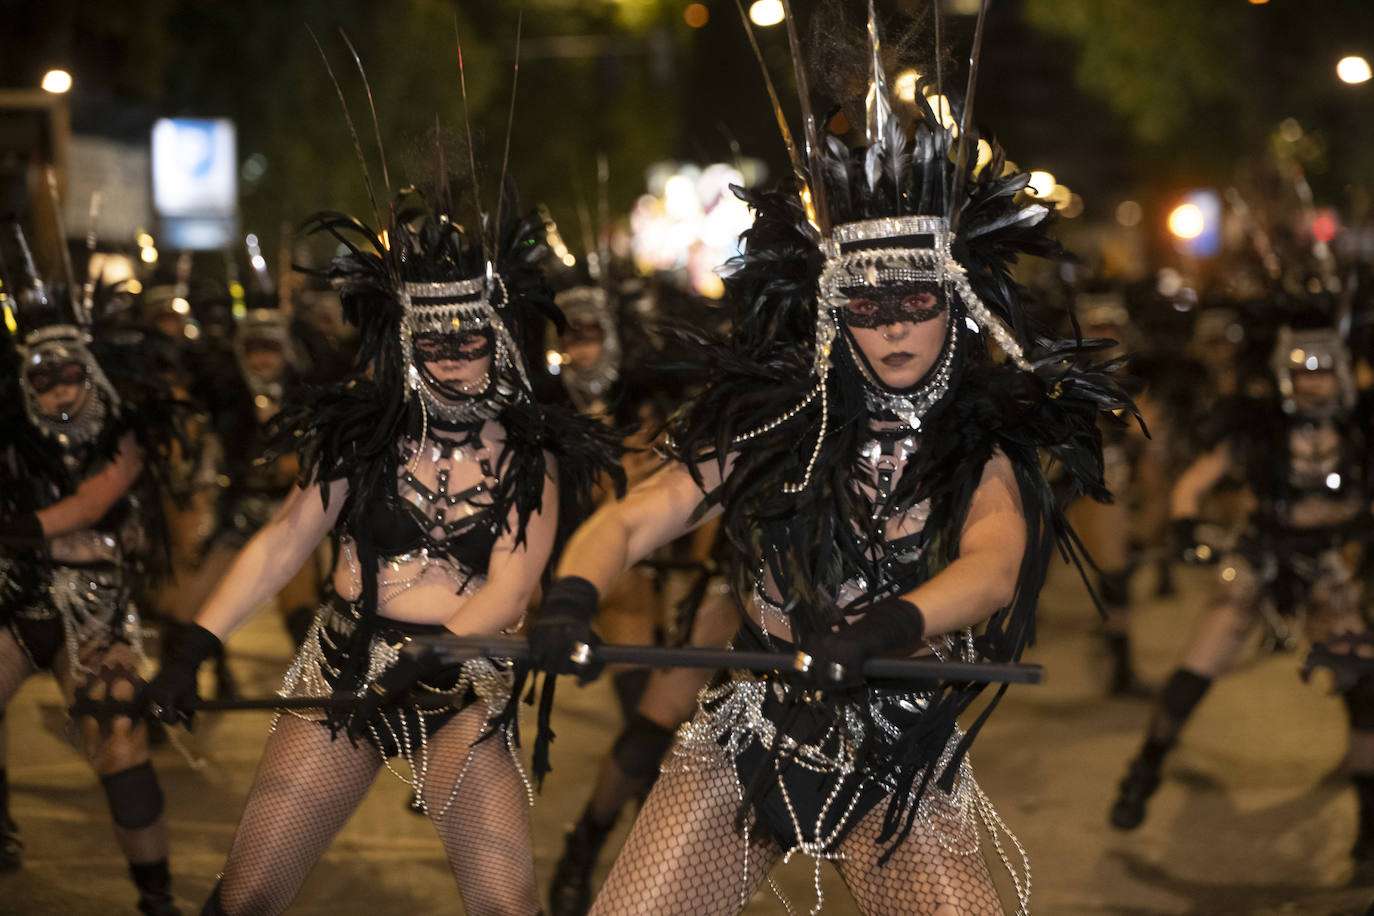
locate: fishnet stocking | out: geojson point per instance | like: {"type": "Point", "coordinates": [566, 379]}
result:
{"type": "Point", "coordinates": [306, 787]}
{"type": "Point", "coordinates": [683, 855]}
{"type": "Point", "coordinates": [480, 808]}
{"type": "Point", "coordinates": [921, 876]}
{"type": "Point", "coordinates": [15, 668]}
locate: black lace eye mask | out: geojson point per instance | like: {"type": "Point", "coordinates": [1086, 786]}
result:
{"type": "Point", "coordinates": [46, 377]}
{"type": "Point", "coordinates": [458, 347]}
{"type": "Point", "coordinates": [589, 332]}
{"type": "Point", "coordinates": [876, 306]}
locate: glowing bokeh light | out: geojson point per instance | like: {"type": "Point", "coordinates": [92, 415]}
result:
{"type": "Point", "coordinates": [57, 81]}
{"type": "Point", "coordinates": [1353, 70]}
{"type": "Point", "coordinates": [1041, 183]}
{"type": "Point", "coordinates": [905, 85]}
{"type": "Point", "coordinates": [696, 15]}
{"type": "Point", "coordinates": [1186, 222]}
{"type": "Point", "coordinates": [766, 12]}
{"type": "Point", "coordinates": [1129, 213]}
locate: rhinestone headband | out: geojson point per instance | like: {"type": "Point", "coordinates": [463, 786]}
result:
{"type": "Point", "coordinates": [894, 228]}
{"type": "Point", "coordinates": [447, 291]}
{"type": "Point", "coordinates": [56, 332]}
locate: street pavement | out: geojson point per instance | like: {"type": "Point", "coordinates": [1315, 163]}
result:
{"type": "Point", "coordinates": [1253, 818]}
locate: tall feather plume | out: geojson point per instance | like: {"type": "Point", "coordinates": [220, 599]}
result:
{"type": "Point", "coordinates": [961, 160]}
{"type": "Point", "coordinates": [445, 193]}
{"type": "Point", "coordinates": [472, 154]}
{"type": "Point", "coordinates": [376, 127]}
{"type": "Point", "coordinates": [939, 86]}
{"type": "Point", "coordinates": [92, 221]}
{"type": "Point", "coordinates": [65, 253]}
{"type": "Point", "coordinates": [793, 156]}
{"type": "Point", "coordinates": [34, 278]}
{"type": "Point", "coordinates": [352, 129]}
{"type": "Point", "coordinates": [877, 107]}
{"type": "Point", "coordinates": [510, 123]}
{"type": "Point", "coordinates": [809, 132]}
{"type": "Point", "coordinates": [603, 218]}
{"type": "Point", "coordinates": [584, 218]}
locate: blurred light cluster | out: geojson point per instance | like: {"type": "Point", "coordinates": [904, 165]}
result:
{"type": "Point", "coordinates": [689, 221]}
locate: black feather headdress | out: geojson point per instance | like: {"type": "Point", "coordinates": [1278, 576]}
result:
{"type": "Point", "coordinates": [420, 272]}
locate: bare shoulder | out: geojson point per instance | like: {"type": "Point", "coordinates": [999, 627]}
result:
{"type": "Point", "coordinates": [997, 489]}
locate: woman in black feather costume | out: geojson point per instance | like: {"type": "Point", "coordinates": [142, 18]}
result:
{"type": "Point", "coordinates": [88, 432]}
{"type": "Point", "coordinates": [878, 473]}
{"type": "Point", "coordinates": [442, 483]}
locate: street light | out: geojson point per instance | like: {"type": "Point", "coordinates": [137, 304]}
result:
{"type": "Point", "coordinates": [766, 12]}
{"type": "Point", "coordinates": [1353, 70]}
{"type": "Point", "coordinates": [59, 81]}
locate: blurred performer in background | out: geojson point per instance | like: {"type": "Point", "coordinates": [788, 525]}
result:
{"type": "Point", "coordinates": [1301, 562]}
{"type": "Point", "coordinates": [88, 427]}
{"type": "Point", "coordinates": [442, 482]}
{"type": "Point", "coordinates": [621, 377]}
{"type": "Point", "coordinates": [1107, 526]}
{"type": "Point", "coordinates": [267, 375]}
{"type": "Point", "coordinates": [878, 476]}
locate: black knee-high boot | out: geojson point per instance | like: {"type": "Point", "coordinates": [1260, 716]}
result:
{"type": "Point", "coordinates": [1114, 590]}
{"type": "Point", "coordinates": [1181, 695]}
{"type": "Point", "coordinates": [1359, 707]}
{"type": "Point", "coordinates": [154, 882]}
{"type": "Point", "coordinates": [213, 906]}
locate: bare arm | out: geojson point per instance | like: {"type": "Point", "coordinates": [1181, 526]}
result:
{"type": "Point", "coordinates": [1185, 500]}
{"type": "Point", "coordinates": [268, 561]}
{"type": "Point", "coordinates": [983, 577]}
{"type": "Point", "coordinates": [622, 533]}
{"type": "Point", "coordinates": [95, 495]}
{"type": "Point", "coordinates": [512, 572]}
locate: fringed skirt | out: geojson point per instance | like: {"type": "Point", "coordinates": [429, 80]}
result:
{"type": "Point", "coordinates": [344, 645]}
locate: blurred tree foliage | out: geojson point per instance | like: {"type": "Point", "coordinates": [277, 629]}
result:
{"type": "Point", "coordinates": [1206, 83]}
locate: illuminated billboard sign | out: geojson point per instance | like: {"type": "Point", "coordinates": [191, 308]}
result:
{"type": "Point", "coordinates": [195, 181]}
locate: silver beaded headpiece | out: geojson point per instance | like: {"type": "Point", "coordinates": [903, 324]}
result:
{"type": "Point", "coordinates": [584, 305]}
{"type": "Point", "coordinates": [64, 343]}
{"type": "Point", "coordinates": [898, 249]}
{"type": "Point", "coordinates": [863, 253]}
{"type": "Point", "coordinates": [454, 307]}
{"type": "Point", "coordinates": [1312, 350]}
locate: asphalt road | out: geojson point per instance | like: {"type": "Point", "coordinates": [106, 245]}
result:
{"type": "Point", "coordinates": [1253, 818]}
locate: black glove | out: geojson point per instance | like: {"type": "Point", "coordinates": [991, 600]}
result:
{"type": "Point", "coordinates": [1349, 656]}
{"type": "Point", "coordinates": [23, 531]}
{"type": "Point", "coordinates": [168, 694]}
{"type": "Point", "coordinates": [835, 659]}
{"type": "Point", "coordinates": [414, 662]}
{"type": "Point", "coordinates": [563, 623]}
{"type": "Point", "coordinates": [1188, 545]}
